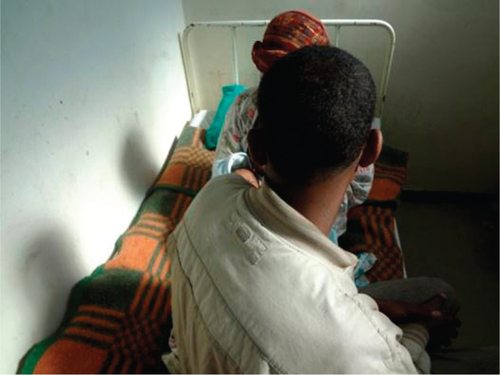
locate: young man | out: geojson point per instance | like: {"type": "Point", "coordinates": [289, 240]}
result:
{"type": "Point", "coordinates": [285, 33]}
{"type": "Point", "coordinates": [257, 286]}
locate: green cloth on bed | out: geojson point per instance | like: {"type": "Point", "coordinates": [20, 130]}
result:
{"type": "Point", "coordinates": [229, 94]}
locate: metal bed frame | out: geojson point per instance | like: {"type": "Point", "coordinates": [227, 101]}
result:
{"type": "Point", "coordinates": [234, 25]}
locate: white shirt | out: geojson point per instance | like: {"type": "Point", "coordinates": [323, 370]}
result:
{"type": "Point", "coordinates": [257, 288]}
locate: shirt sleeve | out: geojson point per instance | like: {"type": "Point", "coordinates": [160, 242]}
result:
{"type": "Point", "coordinates": [230, 163]}
{"type": "Point", "coordinates": [239, 120]}
{"type": "Point", "coordinates": [406, 342]}
{"type": "Point", "coordinates": [356, 193]}
{"type": "Point", "coordinates": [358, 190]}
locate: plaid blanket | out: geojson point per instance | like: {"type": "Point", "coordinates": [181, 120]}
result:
{"type": "Point", "coordinates": [118, 318]}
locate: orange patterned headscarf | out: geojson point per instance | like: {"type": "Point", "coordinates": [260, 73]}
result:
{"type": "Point", "coordinates": [285, 33]}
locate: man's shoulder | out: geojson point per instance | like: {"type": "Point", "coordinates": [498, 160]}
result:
{"type": "Point", "coordinates": [215, 198]}
{"type": "Point", "coordinates": [223, 187]}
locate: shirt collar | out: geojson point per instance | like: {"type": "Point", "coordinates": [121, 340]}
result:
{"type": "Point", "coordinates": [276, 215]}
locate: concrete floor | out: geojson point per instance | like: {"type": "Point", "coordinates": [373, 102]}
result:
{"type": "Point", "coordinates": [456, 238]}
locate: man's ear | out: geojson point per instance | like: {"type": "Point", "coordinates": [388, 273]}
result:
{"type": "Point", "coordinates": [257, 150]}
{"type": "Point", "coordinates": [372, 149]}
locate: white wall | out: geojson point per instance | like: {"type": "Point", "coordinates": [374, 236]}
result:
{"type": "Point", "coordinates": [442, 101]}
{"type": "Point", "coordinates": [93, 93]}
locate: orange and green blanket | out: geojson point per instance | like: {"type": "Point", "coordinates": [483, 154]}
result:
{"type": "Point", "coordinates": [118, 318]}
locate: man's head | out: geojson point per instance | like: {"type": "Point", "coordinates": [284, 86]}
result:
{"type": "Point", "coordinates": [315, 107]}
{"type": "Point", "coordinates": [286, 33]}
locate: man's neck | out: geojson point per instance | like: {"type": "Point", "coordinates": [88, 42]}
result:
{"type": "Point", "coordinates": [320, 202]}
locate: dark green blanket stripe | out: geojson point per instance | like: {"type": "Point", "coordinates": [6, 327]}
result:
{"type": "Point", "coordinates": [31, 359]}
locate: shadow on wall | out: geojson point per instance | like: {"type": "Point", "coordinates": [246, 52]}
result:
{"type": "Point", "coordinates": [138, 167]}
{"type": "Point", "coordinates": [51, 269]}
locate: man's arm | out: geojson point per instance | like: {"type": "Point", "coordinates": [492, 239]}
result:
{"type": "Point", "coordinates": [441, 325]}
{"type": "Point", "coordinates": [423, 324]}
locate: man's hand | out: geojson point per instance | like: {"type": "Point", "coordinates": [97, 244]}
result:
{"type": "Point", "coordinates": [441, 327]}
{"type": "Point", "coordinates": [406, 312]}
{"type": "Point", "coordinates": [441, 331]}
{"type": "Point", "coordinates": [248, 175]}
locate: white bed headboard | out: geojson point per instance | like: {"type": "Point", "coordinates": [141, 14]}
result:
{"type": "Point", "coordinates": [233, 27]}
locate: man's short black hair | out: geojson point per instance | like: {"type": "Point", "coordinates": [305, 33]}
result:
{"type": "Point", "coordinates": [316, 105]}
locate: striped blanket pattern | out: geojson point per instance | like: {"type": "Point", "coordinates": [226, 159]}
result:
{"type": "Point", "coordinates": [118, 318]}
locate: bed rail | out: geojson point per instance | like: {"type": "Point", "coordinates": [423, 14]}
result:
{"type": "Point", "coordinates": [233, 25]}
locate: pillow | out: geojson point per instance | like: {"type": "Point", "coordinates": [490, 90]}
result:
{"type": "Point", "coordinates": [229, 94]}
